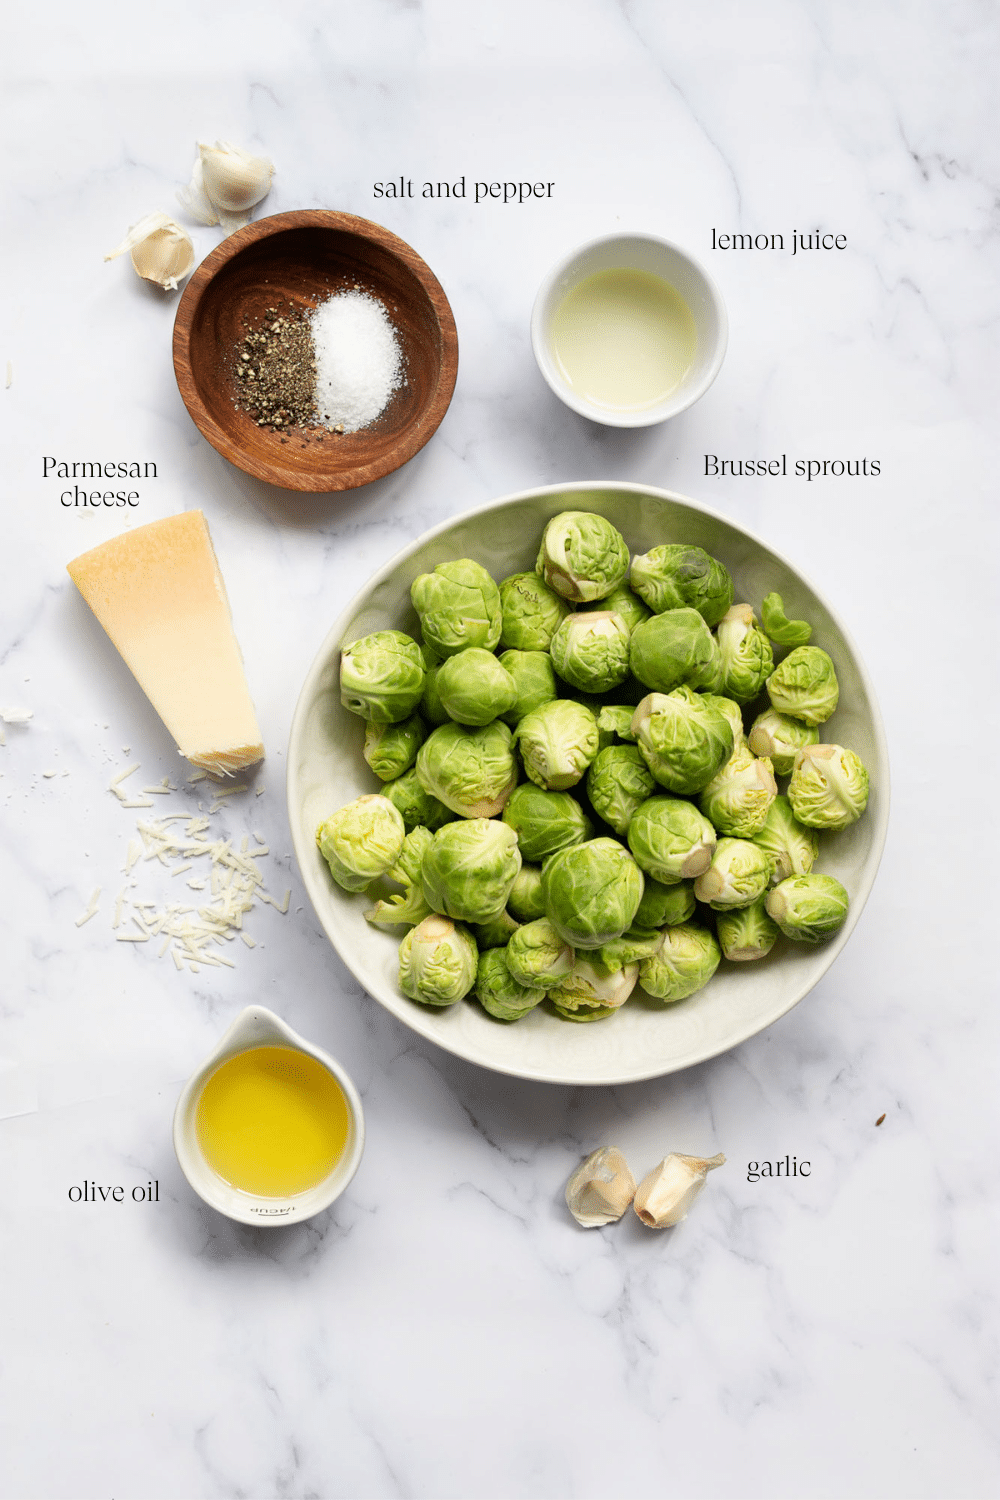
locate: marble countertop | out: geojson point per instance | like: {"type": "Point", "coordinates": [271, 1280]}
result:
{"type": "Point", "coordinates": [446, 1329]}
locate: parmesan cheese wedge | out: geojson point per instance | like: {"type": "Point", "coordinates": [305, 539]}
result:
{"type": "Point", "coordinates": [160, 596]}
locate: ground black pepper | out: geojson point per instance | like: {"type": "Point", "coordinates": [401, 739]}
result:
{"type": "Point", "coordinates": [275, 372]}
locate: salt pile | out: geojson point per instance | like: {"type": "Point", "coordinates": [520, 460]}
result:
{"type": "Point", "coordinates": [359, 363]}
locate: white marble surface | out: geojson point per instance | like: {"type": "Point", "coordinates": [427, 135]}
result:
{"type": "Point", "coordinates": [445, 1330]}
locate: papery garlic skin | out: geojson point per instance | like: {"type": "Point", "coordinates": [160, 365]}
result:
{"type": "Point", "coordinates": [162, 251]}
{"type": "Point", "coordinates": [665, 1194]}
{"type": "Point", "coordinates": [601, 1188]}
{"type": "Point", "coordinates": [226, 183]}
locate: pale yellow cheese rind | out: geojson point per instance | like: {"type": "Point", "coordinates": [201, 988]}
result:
{"type": "Point", "coordinates": [160, 596]}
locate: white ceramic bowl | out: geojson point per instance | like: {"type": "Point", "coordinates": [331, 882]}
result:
{"type": "Point", "coordinates": [635, 252]}
{"type": "Point", "coordinates": [645, 1039]}
{"type": "Point", "coordinates": [258, 1027]}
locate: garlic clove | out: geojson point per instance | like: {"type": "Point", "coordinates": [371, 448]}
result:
{"type": "Point", "coordinates": [665, 1194]}
{"type": "Point", "coordinates": [233, 181]}
{"type": "Point", "coordinates": [162, 251]}
{"type": "Point", "coordinates": [601, 1188]}
{"type": "Point", "coordinates": [195, 199]}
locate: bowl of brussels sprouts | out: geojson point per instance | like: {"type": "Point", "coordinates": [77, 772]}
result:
{"type": "Point", "coordinates": [591, 754]}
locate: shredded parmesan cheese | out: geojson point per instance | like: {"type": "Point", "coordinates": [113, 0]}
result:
{"type": "Point", "coordinates": [91, 909]}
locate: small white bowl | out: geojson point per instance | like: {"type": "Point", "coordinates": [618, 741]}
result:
{"type": "Point", "coordinates": [257, 1027]}
{"type": "Point", "coordinates": [634, 252]}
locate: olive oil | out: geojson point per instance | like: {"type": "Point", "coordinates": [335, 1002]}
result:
{"type": "Point", "coordinates": [624, 339]}
{"type": "Point", "coordinates": [272, 1121]}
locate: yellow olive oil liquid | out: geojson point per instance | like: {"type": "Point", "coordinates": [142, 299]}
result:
{"type": "Point", "coordinates": [624, 339]}
{"type": "Point", "coordinates": [272, 1121]}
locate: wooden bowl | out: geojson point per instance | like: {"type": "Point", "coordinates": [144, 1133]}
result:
{"type": "Point", "coordinates": [304, 257]}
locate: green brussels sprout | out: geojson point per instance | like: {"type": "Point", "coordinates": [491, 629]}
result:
{"type": "Point", "coordinates": [740, 872]}
{"type": "Point", "coordinates": [582, 556]}
{"type": "Point", "coordinates": [614, 722]}
{"type": "Point", "coordinates": [633, 946]}
{"type": "Point", "coordinates": [526, 901]}
{"type": "Point", "coordinates": [671, 840]}
{"type": "Point", "coordinates": [733, 713]}
{"type": "Point", "coordinates": [458, 605]}
{"type": "Point", "coordinates": [531, 612]}
{"type": "Point", "coordinates": [417, 806]}
{"type": "Point", "coordinates": [780, 738]}
{"type": "Point", "coordinates": [829, 787]}
{"type": "Point", "coordinates": [684, 740]}
{"type": "Point", "coordinates": [808, 908]}
{"type": "Point", "coordinates": [736, 800]}
{"type": "Point", "coordinates": [592, 892]}
{"type": "Point", "coordinates": [746, 933]}
{"type": "Point", "coordinates": [431, 707]}
{"type": "Point", "coordinates": [672, 648]}
{"type": "Point", "coordinates": [557, 743]}
{"type": "Point", "coordinates": [805, 685]}
{"type": "Point", "coordinates": [382, 676]}
{"type": "Point", "coordinates": [361, 841]}
{"type": "Point", "coordinates": [474, 688]}
{"type": "Point", "coordinates": [792, 847]}
{"type": "Point", "coordinates": [472, 771]}
{"type": "Point", "coordinates": [469, 868]}
{"type": "Point", "coordinates": [665, 905]}
{"type": "Point", "coordinates": [590, 650]}
{"type": "Point", "coordinates": [498, 992]}
{"type": "Point", "coordinates": [592, 991]}
{"type": "Point", "coordinates": [783, 632]}
{"type": "Point", "coordinates": [545, 821]}
{"type": "Point", "coordinates": [625, 603]}
{"type": "Point", "coordinates": [684, 962]}
{"type": "Point", "coordinates": [537, 956]}
{"type": "Point", "coordinates": [747, 658]}
{"type": "Point", "coordinates": [618, 783]}
{"type": "Point", "coordinates": [534, 681]}
{"type": "Point", "coordinates": [496, 933]}
{"type": "Point", "coordinates": [391, 749]}
{"type": "Point", "coordinates": [437, 962]}
{"type": "Point", "coordinates": [675, 576]}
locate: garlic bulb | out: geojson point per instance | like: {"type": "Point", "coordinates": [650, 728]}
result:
{"type": "Point", "coordinates": [666, 1193]}
{"type": "Point", "coordinates": [225, 185]}
{"type": "Point", "coordinates": [601, 1188]}
{"type": "Point", "coordinates": [161, 250]}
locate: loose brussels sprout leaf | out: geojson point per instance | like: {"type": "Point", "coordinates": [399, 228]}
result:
{"type": "Point", "coordinates": [747, 658]}
{"type": "Point", "coordinates": [739, 873]}
{"type": "Point", "coordinates": [675, 576]}
{"type": "Point", "coordinates": [545, 821]}
{"type": "Point", "coordinates": [361, 841]}
{"type": "Point", "coordinates": [618, 783]}
{"type": "Point", "coordinates": [614, 722]}
{"type": "Point", "coordinates": [557, 743]}
{"type": "Point", "coordinates": [684, 740]}
{"type": "Point", "coordinates": [537, 956]}
{"type": "Point", "coordinates": [437, 962]}
{"type": "Point", "coordinates": [737, 799]}
{"type": "Point", "coordinates": [808, 908]}
{"type": "Point", "coordinates": [472, 771]}
{"type": "Point", "coordinates": [458, 605]}
{"type": "Point", "coordinates": [582, 556]}
{"type": "Point", "coordinates": [498, 992]}
{"type": "Point", "coordinates": [780, 738]}
{"type": "Point", "coordinates": [534, 681]}
{"type": "Point", "coordinates": [829, 787]}
{"type": "Point", "coordinates": [474, 688]}
{"type": "Point", "coordinates": [783, 632]}
{"type": "Point", "coordinates": [592, 892]}
{"type": "Point", "coordinates": [746, 933]}
{"type": "Point", "coordinates": [685, 961]}
{"type": "Point", "coordinates": [592, 991]}
{"type": "Point", "coordinates": [496, 933]}
{"type": "Point", "coordinates": [402, 909]}
{"type": "Point", "coordinates": [391, 749]}
{"type": "Point", "coordinates": [526, 901]}
{"type": "Point", "coordinates": [633, 946]}
{"type": "Point", "coordinates": [625, 603]}
{"type": "Point", "coordinates": [417, 806]}
{"type": "Point", "coordinates": [531, 613]}
{"type": "Point", "coordinates": [805, 685]}
{"type": "Point", "coordinates": [671, 840]}
{"type": "Point", "coordinates": [382, 676]}
{"type": "Point", "coordinates": [665, 905]}
{"type": "Point", "coordinates": [590, 650]}
{"type": "Point", "coordinates": [673, 648]}
{"type": "Point", "coordinates": [469, 868]}
{"type": "Point", "coordinates": [792, 847]}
